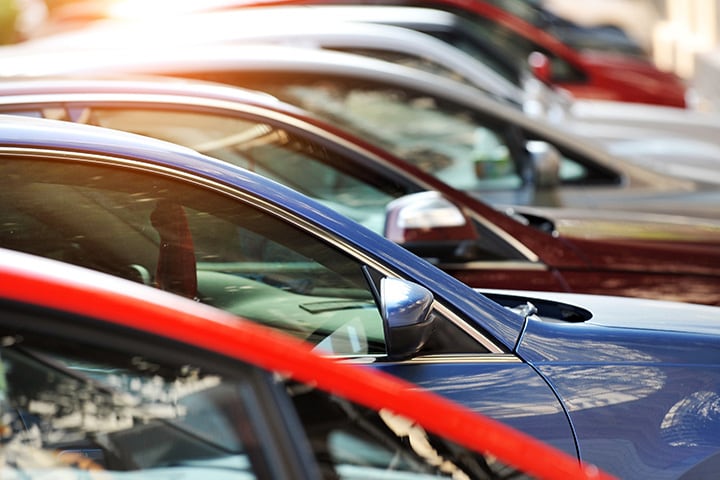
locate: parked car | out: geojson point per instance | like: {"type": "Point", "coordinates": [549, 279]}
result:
{"type": "Point", "coordinates": [590, 382]}
{"type": "Point", "coordinates": [101, 377]}
{"type": "Point", "coordinates": [577, 251]}
{"type": "Point", "coordinates": [597, 75]}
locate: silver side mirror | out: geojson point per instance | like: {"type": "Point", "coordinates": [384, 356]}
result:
{"type": "Point", "coordinates": [545, 160]}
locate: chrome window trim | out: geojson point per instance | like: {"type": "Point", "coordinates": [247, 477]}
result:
{"type": "Point", "coordinates": [492, 265]}
{"type": "Point", "coordinates": [465, 358]}
{"type": "Point", "coordinates": [460, 358]}
{"type": "Point", "coordinates": [233, 192]}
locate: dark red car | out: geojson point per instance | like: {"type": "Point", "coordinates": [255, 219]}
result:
{"type": "Point", "coordinates": [551, 249]}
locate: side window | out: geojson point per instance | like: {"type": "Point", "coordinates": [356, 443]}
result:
{"type": "Point", "coordinates": [413, 61]}
{"type": "Point", "coordinates": [447, 141]}
{"type": "Point", "coordinates": [66, 406]}
{"type": "Point", "coordinates": [192, 242]}
{"type": "Point", "coordinates": [519, 48]}
{"type": "Point", "coordinates": [351, 441]}
{"type": "Point", "coordinates": [260, 147]}
{"type": "Point", "coordinates": [577, 169]}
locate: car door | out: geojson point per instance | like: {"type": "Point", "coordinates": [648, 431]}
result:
{"type": "Point", "coordinates": [233, 250]}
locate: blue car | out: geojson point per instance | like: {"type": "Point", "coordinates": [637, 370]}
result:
{"type": "Point", "coordinates": [632, 386]}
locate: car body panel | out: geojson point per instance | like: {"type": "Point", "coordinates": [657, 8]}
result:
{"type": "Point", "coordinates": [538, 350]}
{"type": "Point", "coordinates": [487, 385]}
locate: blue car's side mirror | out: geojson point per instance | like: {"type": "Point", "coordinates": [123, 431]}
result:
{"type": "Point", "coordinates": [405, 308]}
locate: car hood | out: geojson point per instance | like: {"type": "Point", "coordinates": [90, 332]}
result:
{"type": "Point", "coordinates": [633, 241]}
{"type": "Point", "coordinates": [599, 328]}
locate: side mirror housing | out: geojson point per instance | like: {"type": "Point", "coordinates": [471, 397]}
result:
{"type": "Point", "coordinates": [430, 226]}
{"type": "Point", "coordinates": [425, 215]}
{"type": "Point", "coordinates": [545, 159]}
{"type": "Point", "coordinates": [405, 308]}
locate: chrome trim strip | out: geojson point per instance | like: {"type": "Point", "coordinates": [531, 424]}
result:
{"type": "Point", "coordinates": [459, 358]}
{"type": "Point", "coordinates": [462, 358]}
{"type": "Point", "coordinates": [494, 265]}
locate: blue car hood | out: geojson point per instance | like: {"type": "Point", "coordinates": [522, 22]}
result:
{"type": "Point", "coordinates": [607, 329]}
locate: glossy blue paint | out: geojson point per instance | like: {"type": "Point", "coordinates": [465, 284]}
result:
{"type": "Point", "coordinates": [511, 391]}
{"type": "Point", "coordinates": [647, 396]}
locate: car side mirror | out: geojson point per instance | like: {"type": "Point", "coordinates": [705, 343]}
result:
{"type": "Point", "coordinates": [545, 159]}
{"type": "Point", "coordinates": [540, 66]}
{"type": "Point", "coordinates": [432, 227]}
{"type": "Point", "coordinates": [408, 324]}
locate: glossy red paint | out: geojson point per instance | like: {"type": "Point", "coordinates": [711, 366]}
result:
{"type": "Point", "coordinates": [597, 76]}
{"type": "Point", "coordinates": [33, 281]}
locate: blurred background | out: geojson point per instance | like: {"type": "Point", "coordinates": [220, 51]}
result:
{"type": "Point", "coordinates": [680, 35]}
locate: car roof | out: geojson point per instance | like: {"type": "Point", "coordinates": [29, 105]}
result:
{"type": "Point", "coordinates": [330, 34]}
{"type": "Point", "coordinates": [50, 284]}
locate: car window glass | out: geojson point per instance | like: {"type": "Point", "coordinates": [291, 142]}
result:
{"type": "Point", "coordinates": [409, 60]}
{"type": "Point", "coordinates": [344, 184]}
{"type": "Point", "coordinates": [270, 151]}
{"type": "Point", "coordinates": [519, 48]}
{"type": "Point", "coordinates": [577, 169]}
{"type": "Point", "coordinates": [192, 242]}
{"type": "Point", "coordinates": [68, 408]}
{"type": "Point", "coordinates": [447, 141]}
{"type": "Point", "coordinates": [485, 52]}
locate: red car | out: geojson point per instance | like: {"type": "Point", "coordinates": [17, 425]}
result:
{"type": "Point", "coordinates": [586, 74]}
{"type": "Point", "coordinates": [108, 376]}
